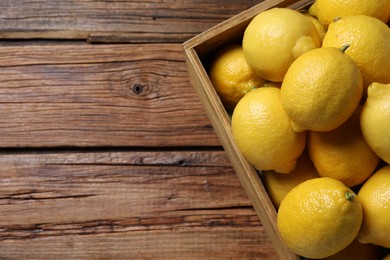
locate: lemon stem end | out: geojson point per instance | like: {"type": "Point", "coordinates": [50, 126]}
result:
{"type": "Point", "coordinates": [349, 195]}
{"type": "Point", "coordinates": [344, 48]}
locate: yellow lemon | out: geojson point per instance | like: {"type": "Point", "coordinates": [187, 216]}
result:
{"type": "Point", "coordinates": [343, 153]}
{"type": "Point", "coordinates": [231, 75]}
{"type": "Point", "coordinates": [375, 120]}
{"type": "Point", "coordinates": [278, 184]}
{"type": "Point", "coordinates": [357, 251]}
{"type": "Point", "coordinates": [321, 29]}
{"type": "Point", "coordinates": [369, 40]}
{"type": "Point", "coordinates": [275, 38]}
{"type": "Point", "coordinates": [375, 198]}
{"type": "Point", "coordinates": [263, 133]}
{"type": "Point", "coordinates": [321, 89]}
{"type": "Point", "coordinates": [319, 217]}
{"type": "Point", "coordinates": [328, 10]}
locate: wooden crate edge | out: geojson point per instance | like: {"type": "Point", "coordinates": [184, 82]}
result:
{"type": "Point", "coordinates": [244, 170]}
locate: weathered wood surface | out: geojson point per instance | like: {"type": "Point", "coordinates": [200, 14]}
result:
{"type": "Point", "coordinates": [105, 150]}
{"type": "Point", "coordinates": [114, 21]}
{"type": "Point", "coordinates": [63, 94]}
{"type": "Point", "coordinates": [117, 205]}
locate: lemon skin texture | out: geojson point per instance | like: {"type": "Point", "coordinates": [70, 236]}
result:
{"type": "Point", "coordinates": [321, 89]}
{"type": "Point", "coordinates": [321, 29]}
{"type": "Point", "coordinates": [375, 120]}
{"type": "Point", "coordinates": [278, 184]}
{"type": "Point", "coordinates": [275, 38]}
{"type": "Point", "coordinates": [231, 75]}
{"type": "Point", "coordinates": [369, 40]}
{"type": "Point", "coordinates": [263, 133]}
{"type": "Point", "coordinates": [319, 218]}
{"type": "Point", "coordinates": [343, 153]}
{"type": "Point", "coordinates": [375, 198]}
{"type": "Point", "coordinates": [328, 10]}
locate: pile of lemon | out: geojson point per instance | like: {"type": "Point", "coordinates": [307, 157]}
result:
{"type": "Point", "coordinates": [310, 95]}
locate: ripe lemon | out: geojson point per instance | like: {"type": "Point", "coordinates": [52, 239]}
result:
{"type": "Point", "coordinates": [328, 10]}
{"type": "Point", "coordinates": [375, 198]}
{"type": "Point", "coordinates": [343, 153]}
{"type": "Point", "coordinates": [278, 184]}
{"type": "Point", "coordinates": [275, 38]}
{"type": "Point", "coordinates": [263, 131]}
{"type": "Point", "coordinates": [319, 217]}
{"type": "Point", "coordinates": [231, 75]}
{"type": "Point", "coordinates": [321, 29]}
{"type": "Point", "coordinates": [321, 89]}
{"type": "Point", "coordinates": [357, 251]}
{"type": "Point", "coordinates": [375, 120]}
{"type": "Point", "coordinates": [369, 40]}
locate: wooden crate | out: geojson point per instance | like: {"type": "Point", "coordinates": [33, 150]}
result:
{"type": "Point", "coordinates": [198, 51]}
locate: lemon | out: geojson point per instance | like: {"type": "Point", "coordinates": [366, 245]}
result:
{"type": "Point", "coordinates": [278, 184]}
{"type": "Point", "coordinates": [375, 198]}
{"type": "Point", "coordinates": [357, 251]}
{"type": "Point", "coordinates": [231, 75]}
{"type": "Point", "coordinates": [319, 217]}
{"type": "Point", "coordinates": [387, 257]}
{"type": "Point", "coordinates": [369, 40]}
{"type": "Point", "coordinates": [343, 153]}
{"type": "Point", "coordinates": [263, 133]}
{"type": "Point", "coordinates": [321, 89]}
{"type": "Point", "coordinates": [275, 38]}
{"type": "Point", "coordinates": [321, 29]}
{"type": "Point", "coordinates": [328, 10]}
{"type": "Point", "coordinates": [375, 120]}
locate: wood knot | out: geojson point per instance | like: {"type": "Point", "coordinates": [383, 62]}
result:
{"type": "Point", "coordinates": [138, 89]}
{"type": "Point", "coordinates": [182, 162]}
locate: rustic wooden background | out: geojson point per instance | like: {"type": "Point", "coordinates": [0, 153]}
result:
{"type": "Point", "coordinates": [105, 150]}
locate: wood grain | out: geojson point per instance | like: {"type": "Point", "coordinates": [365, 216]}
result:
{"type": "Point", "coordinates": [76, 190]}
{"type": "Point", "coordinates": [105, 149]}
{"type": "Point", "coordinates": [121, 205]}
{"type": "Point", "coordinates": [209, 244]}
{"type": "Point", "coordinates": [114, 21]}
{"type": "Point", "coordinates": [79, 94]}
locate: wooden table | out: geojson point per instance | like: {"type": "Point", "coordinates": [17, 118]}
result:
{"type": "Point", "coordinates": [106, 152]}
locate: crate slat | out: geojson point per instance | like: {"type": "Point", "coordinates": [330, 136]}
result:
{"type": "Point", "coordinates": [198, 52]}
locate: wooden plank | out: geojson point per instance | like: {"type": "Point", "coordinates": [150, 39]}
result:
{"type": "Point", "coordinates": [126, 204]}
{"type": "Point", "coordinates": [78, 94]}
{"type": "Point", "coordinates": [114, 21]}
{"type": "Point", "coordinates": [208, 244]}
{"type": "Point", "coordinates": [81, 186]}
